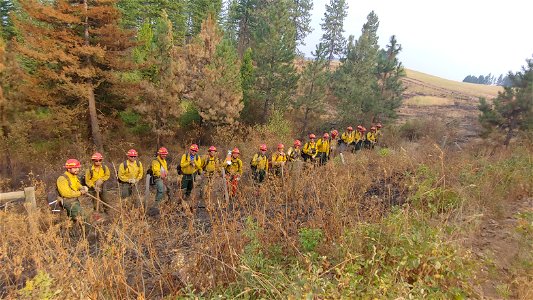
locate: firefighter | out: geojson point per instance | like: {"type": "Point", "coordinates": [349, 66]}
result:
{"type": "Point", "coordinates": [96, 178]}
{"type": "Point", "coordinates": [259, 164]}
{"type": "Point", "coordinates": [70, 189]}
{"type": "Point", "coordinates": [333, 143]}
{"type": "Point", "coordinates": [378, 132]}
{"type": "Point", "coordinates": [191, 167]}
{"type": "Point", "coordinates": [279, 158]}
{"type": "Point", "coordinates": [130, 172]}
{"type": "Point", "coordinates": [370, 138]}
{"type": "Point", "coordinates": [359, 137]}
{"type": "Point", "coordinates": [347, 139]}
{"type": "Point", "coordinates": [309, 151]}
{"type": "Point", "coordinates": [295, 153]}
{"type": "Point", "coordinates": [322, 146]}
{"type": "Point", "coordinates": [160, 173]}
{"type": "Point", "coordinates": [211, 165]}
{"type": "Point", "coordinates": [234, 171]}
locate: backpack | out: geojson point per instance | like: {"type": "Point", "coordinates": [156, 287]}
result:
{"type": "Point", "coordinates": [82, 177]}
{"type": "Point", "coordinates": [125, 165]}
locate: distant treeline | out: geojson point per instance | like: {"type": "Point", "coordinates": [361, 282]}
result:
{"type": "Point", "coordinates": [488, 80]}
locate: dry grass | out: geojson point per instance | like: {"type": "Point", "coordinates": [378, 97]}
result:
{"type": "Point", "coordinates": [432, 85]}
{"type": "Point", "coordinates": [428, 101]}
{"type": "Point", "coordinates": [217, 250]}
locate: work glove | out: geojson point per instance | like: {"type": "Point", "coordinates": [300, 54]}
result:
{"type": "Point", "coordinates": [228, 162]}
{"type": "Point", "coordinates": [132, 181]}
{"type": "Point", "coordinates": [84, 190]}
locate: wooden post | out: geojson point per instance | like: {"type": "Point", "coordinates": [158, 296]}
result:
{"type": "Point", "coordinates": [146, 191]}
{"type": "Point", "coordinates": [29, 195]}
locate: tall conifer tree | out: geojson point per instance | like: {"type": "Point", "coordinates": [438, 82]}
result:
{"type": "Point", "coordinates": [274, 54]}
{"type": "Point", "coordinates": [512, 110]}
{"type": "Point", "coordinates": [333, 28]}
{"type": "Point", "coordinates": [75, 50]}
{"type": "Point", "coordinates": [390, 72]}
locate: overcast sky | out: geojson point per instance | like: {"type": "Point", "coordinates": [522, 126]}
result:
{"type": "Point", "coordinates": [450, 38]}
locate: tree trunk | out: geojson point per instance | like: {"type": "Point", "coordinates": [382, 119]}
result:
{"type": "Point", "coordinates": [95, 129]}
{"type": "Point", "coordinates": [509, 134]}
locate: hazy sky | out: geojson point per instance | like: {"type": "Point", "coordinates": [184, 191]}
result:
{"type": "Point", "coordinates": [450, 38]}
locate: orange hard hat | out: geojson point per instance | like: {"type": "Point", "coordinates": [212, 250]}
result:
{"type": "Point", "coordinates": [72, 163]}
{"type": "Point", "coordinates": [263, 147]}
{"type": "Point", "coordinates": [363, 129]}
{"type": "Point", "coordinates": [297, 143]}
{"type": "Point", "coordinates": [97, 156]}
{"type": "Point", "coordinates": [312, 136]}
{"type": "Point", "coordinates": [373, 128]}
{"type": "Point", "coordinates": [236, 151]}
{"type": "Point", "coordinates": [359, 127]}
{"type": "Point", "coordinates": [194, 147]}
{"type": "Point", "coordinates": [281, 146]}
{"type": "Point", "coordinates": [132, 153]}
{"type": "Point", "coordinates": [212, 148]}
{"type": "Point", "coordinates": [162, 151]}
{"type": "Point", "coordinates": [379, 125]}
{"type": "Point", "coordinates": [326, 135]}
{"type": "Point", "coordinates": [334, 133]}
{"type": "Point", "coordinates": [350, 128]}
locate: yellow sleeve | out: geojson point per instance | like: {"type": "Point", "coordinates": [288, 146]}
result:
{"type": "Point", "coordinates": [122, 174]}
{"type": "Point", "coordinates": [240, 167]}
{"type": "Point", "coordinates": [64, 189]}
{"type": "Point", "coordinates": [199, 164]}
{"type": "Point", "coordinates": [254, 161]}
{"type": "Point", "coordinates": [184, 163]}
{"type": "Point", "coordinates": [107, 173]}
{"type": "Point", "coordinates": [88, 180]}
{"type": "Point", "coordinates": [141, 171]}
{"type": "Point", "coordinates": [156, 168]}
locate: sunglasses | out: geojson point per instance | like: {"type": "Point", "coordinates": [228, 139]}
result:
{"type": "Point", "coordinates": [99, 160]}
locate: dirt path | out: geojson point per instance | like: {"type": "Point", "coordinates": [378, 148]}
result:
{"type": "Point", "coordinates": [497, 245]}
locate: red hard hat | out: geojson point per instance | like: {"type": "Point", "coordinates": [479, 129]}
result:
{"type": "Point", "coordinates": [132, 153]}
{"type": "Point", "coordinates": [97, 156]}
{"type": "Point", "coordinates": [326, 135]}
{"type": "Point", "coordinates": [162, 151]}
{"type": "Point", "coordinates": [359, 127]}
{"type": "Point", "coordinates": [379, 125]}
{"type": "Point", "coordinates": [350, 128]}
{"type": "Point", "coordinates": [297, 143]}
{"type": "Point", "coordinates": [72, 163]}
{"type": "Point", "coordinates": [334, 133]}
{"type": "Point", "coordinates": [363, 129]}
{"type": "Point", "coordinates": [212, 148]}
{"type": "Point", "coordinates": [281, 146]}
{"type": "Point", "coordinates": [312, 136]}
{"type": "Point", "coordinates": [236, 151]}
{"type": "Point", "coordinates": [263, 147]}
{"type": "Point", "coordinates": [373, 128]}
{"type": "Point", "coordinates": [193, 147]}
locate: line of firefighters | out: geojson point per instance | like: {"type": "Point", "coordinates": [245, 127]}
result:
{"type": "Point", "coordinates": [71, 186]}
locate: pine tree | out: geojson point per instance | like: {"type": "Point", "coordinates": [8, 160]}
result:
{"type": "Point", "coordinates": [248, 79]}
{"type": "Point", "coordinates": [218, 95]}
{"type": "Point", "coordinates": [333, 28]}
{"type": "Point", "coordinates": [301, 16]}
{"type": "Point", "coordinates": [241, 22]}
{"type": "Point", "coordinates": [160, 91]}
{"type": "Point", "coordinates": [390, 88]}
{"type": "Point", "coordinates": [74, 50]}
{"type": "Point", "coordinates": [355, 81]}
{"type": "Point", "coordinates": [199, 10]}
{"type": "Point", "coordinates": [512, 110]}
{"type": "Point", "coordinates": [136, 13]}
{"type": "Point", "coordinates": [312, 87]}
{"type": "Point", "coordinates": [274, 55]}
